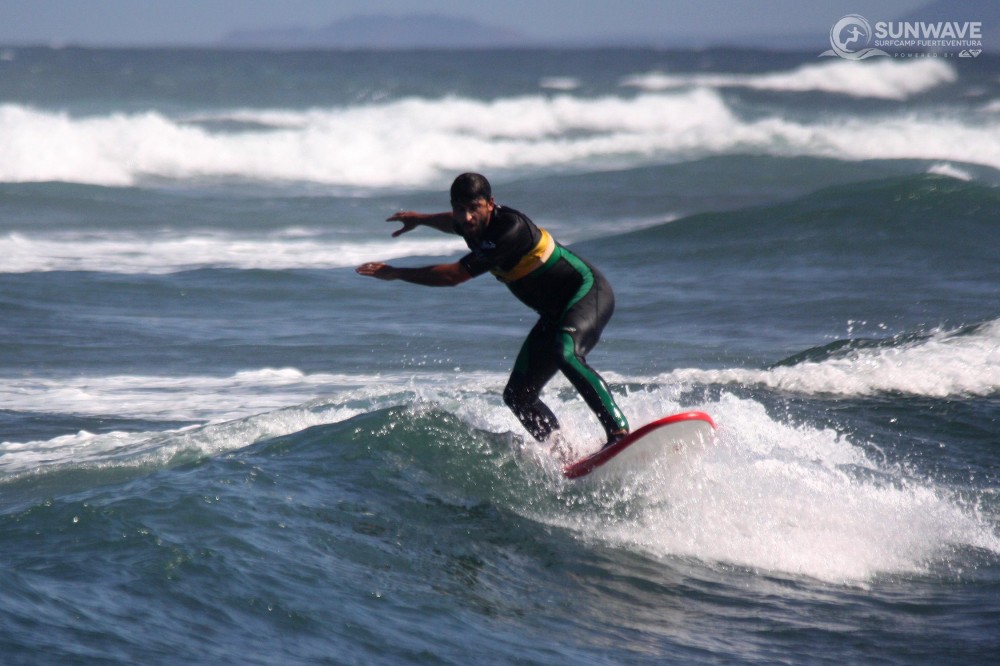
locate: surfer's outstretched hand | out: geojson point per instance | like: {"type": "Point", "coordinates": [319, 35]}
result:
{"type": "Point", "coordinates": [409, 219]}
{"type": "Point", "coordinates": [376, 269]}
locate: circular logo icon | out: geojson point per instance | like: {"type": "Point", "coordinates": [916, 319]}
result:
{"type": "Point", "coordinates": [850, 37]}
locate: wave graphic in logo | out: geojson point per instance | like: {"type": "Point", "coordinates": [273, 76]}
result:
{"type": "Point", "coordinates": [850, 37]}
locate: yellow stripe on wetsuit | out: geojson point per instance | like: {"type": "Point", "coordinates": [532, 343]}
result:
{"type": "Point", "coordinates": [535, 258]}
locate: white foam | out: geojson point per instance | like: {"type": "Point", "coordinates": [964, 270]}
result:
{"type": "Point", "coordinates": [420, 142]}
{"type": "Point", "coordinates": [563, 83]}
{"type": "Point", "coordinates": [181, 398]}
{"type": "Point", "coordinates": [901, 136]}
{"type": "Point", "coordinates": [883, 79]}
{"type": "Point", "coordinates": [949, 170]}
{"type": "Point", "coordinates": [168, 252]}
{"type": "Point", "coordinates": [945, 364]}
{"type": "Point", "coordinates": [991, 107]}
{"type": "Point", "coordinates": [782, 498]}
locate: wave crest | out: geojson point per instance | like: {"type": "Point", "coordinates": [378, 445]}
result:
{"type": "Point", "coordinates": [942, 364]}
{"type": "Point", "coordinates": [879, 80]}
{"type": "Point", "coordinates": [419, 142]}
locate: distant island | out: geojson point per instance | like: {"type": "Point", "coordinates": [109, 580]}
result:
{"type": "Point", "coordinates": [384, 32]}
{"type": "Point", "coordinates": [438, 31]}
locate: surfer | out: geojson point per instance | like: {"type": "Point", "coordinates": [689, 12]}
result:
{"type": "Point", "coordinates": [574, 300]}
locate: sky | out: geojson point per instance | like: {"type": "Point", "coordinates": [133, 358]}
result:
{"type": "Point", "coordinates": [205, 22]}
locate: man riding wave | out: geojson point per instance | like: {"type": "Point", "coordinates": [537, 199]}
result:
{"type": "Point", "coordinates": [573, 299]}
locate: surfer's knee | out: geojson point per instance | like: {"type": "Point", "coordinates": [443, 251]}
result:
{"type": "Point", "coordinates": [516, 394]}
{"type": "Point", "coordinates": [530, 410]}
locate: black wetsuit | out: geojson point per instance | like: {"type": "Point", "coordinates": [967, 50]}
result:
{"type": "Point", "coordinates": [575, 302]}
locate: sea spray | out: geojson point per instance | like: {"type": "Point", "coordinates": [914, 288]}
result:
{"type": "Point", "coordinates": [780, 498]}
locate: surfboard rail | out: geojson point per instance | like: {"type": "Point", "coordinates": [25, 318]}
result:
{"type": "Point", "coordinates": [590, 463]}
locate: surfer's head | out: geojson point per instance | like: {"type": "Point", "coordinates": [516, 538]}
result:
{"type": "Point", "coordinates": [472, 203]}
{"type": "Point", "coordinates": [470, 186]}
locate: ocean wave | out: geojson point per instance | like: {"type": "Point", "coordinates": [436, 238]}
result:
{"type": "Point", "coordinates": [224, 413]}
{"type": "Point", "coordinates": [418, 142]}
{"type": "Point", "coordinates": [946, 363]}
{"type": "Point", "coordinates": [991, 107]}
{"type": "Point", "coordinates": [234, 412]}
{"type": "Point", "coordinates": [792, 498]}
{"type": "Point", "coordinates": [796, 499]}
{"type": "Point", "coordinates": [880, 80]}
{"type": "Point", "coordinates": [910, 208]}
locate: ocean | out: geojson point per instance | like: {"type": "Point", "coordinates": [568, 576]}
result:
{"type": "Point", "coordinates": [220, 445]}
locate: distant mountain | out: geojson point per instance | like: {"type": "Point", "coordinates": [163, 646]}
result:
{"type": "Point", "coordinates": [383, 32]}
{"type": "Point", "coordinates": [435, 31]}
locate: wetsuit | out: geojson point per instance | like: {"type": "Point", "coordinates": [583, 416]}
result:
{"type": "Point", "coordinates": [575, 302]}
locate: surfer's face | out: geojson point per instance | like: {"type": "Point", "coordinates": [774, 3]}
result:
{"type": "Point", "coordinates": [473, 216]}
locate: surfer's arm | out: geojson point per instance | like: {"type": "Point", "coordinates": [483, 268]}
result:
{"type": "Point", "coordinates": [411, 220]}
{"type": "Point", "coordinates": [439, 275]}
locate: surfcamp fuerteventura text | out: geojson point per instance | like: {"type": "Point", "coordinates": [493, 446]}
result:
{"type": "Point", "coordinates": [854, 38]}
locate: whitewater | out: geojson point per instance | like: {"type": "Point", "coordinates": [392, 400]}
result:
{"type": "Point", "coordinates": [413, 142]}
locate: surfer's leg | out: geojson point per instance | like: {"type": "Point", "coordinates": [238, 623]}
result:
{"type": "Point", "coordinates": [534, 367]}
{"type": "Point", "coordinates": [592, 388]}
{"type": "Point", "coordinates": [579, 330]}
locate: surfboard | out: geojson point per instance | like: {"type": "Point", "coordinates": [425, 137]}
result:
{"type": "Point", "coordinates": [671, 434]}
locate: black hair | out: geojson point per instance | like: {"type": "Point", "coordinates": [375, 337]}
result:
{"type": "Point", "coordinates": [469, 187]}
